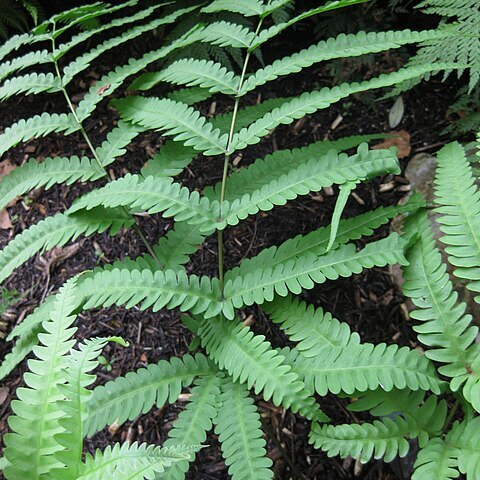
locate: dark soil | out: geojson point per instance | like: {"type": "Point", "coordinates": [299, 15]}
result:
{"type": "Point", "coordinates": [370, 302]}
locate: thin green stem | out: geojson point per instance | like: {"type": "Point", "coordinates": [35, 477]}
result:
{"type": "Point", "coordinates": [227, 160]}
{"type": "Point", "coordinates": [451, 414]}
{"type": "Point", "coordinates": [92, 148]}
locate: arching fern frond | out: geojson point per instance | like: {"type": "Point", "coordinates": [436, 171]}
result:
{"type": "Point", "coordinates": [134, 462]}
{"type": "Point", "coordinates": [445, 325]}
{"type": "Point", "coordinates": [247, 8]}
{"type": "Point", "coordinates": [238, 427]}
{"type": "Point", "coordinates": [261, 284]}
{"type": "Point", "coordinates": [31, 83]}
{"type": "Point", "coordinates": [342, 46]}
{"type": "Point", "coordinates": [137, 392]}
{"type": "Point", "coordinates": [172, 158]}
{"type": "Point", "coordinates": [191, 72]}
{"type": "Point", "coordinates": [314, 329]}
{"type": "Point", "coordinates": [179, 120]}
{"type": "Point", "coordinates": [194, 422]}
{"type": "Point", "coordinates": [57, 231]}
{"type": "Point", "coordinates": [28, 60]}
{"type": "Point", "coordinates": [436, 460]}
{"type": "Point", "coordinates": [37, 126]}
{"type": "Point", "coordinates": [226, 34]}
{"type": "Point", "coordinates": [310, 102]}
{"type": "Point", "coordinates": [154, 194]}
{"type": "Point", "coordinates": [459, 207]}
{"type": "Point", "coordinates": [51, 171]}
{"type": "Point", "coordinates": [31, 447]}
{"type": "Point", "coordinates": [365, 367]}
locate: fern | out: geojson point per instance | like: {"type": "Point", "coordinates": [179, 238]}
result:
{"type": "Point", "coordinates": [459, 208]}
{"type": "Point", "coordinates": [244, 447]}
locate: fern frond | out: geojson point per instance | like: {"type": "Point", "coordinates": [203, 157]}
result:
{"type": "Point", "coordinates": [84, 61]}
{"type": "Point", "coordinates": [436, 460]}
{"type": "Point", "coordinates": [117, 77]}
{"type": "Point", "coordinates": [249, 359]}
{"type": "Point", "coordinates": [14, 43]}
{"type": "Point", "coordinates": [78, 365]}
{"type": "Point", "coordinates": [137, 392]}
{"type": "Point", "coordinates": [189, 96]}
{"type": "Point", "coordinates": [170, 161]}
{"type": "Point", "coordinates": [459, 207]}
{"type": "Point", "coordinates": [445, 325]}
{"type": "Point", "coordinates": [365, 367]}
{"type": "Point", "coordinates": [31, 83]}
{"type": "Point", "coordinates": [51, 171]}
{"type": "Point", "coordinates": [154, 194]}
{"type": "Point", "coordinates": [134, 462]}
{"type": "Point", "coordinates": [351, 45]}
{"type": "Point", "coordinates": [247, 8]}
{"type": "Point", "coordinates": [57, 231]}
{"type": "Point", "coordinates": [316, 242]}
{"type": "Point", "coordinates": [310, 102]}
{"type": "Point", "coordinates": [381, 439]}
{"type": "Point", "coordinates": [261, 284]}
{"type": "Point", "coordinates": [226, 34]}
{"type": "Point", "coordinates": [159, 289]}
{"type": "Point", "coordinates": [238, 427]}
{"type": "Point", "coordinates": [195, 421]}
{"type": "Point", "coordinates": [270, 168]}
{"type": "Point", "coordinates": [30, 59]}
{"type": "Point", "coordinates": [179, 120]}
{"type": "Point", "coordinates": [191, 72]}
{"type": "Point", "coordinates": [31, 447]}
{"type": "Point", "coordinates": [314, 329]}
{"type": "Point", "coordinates": [466, 437]}
{"type": "Point", "coordinates": [313, 175]}
{"type": "Point", "coordinates": [117, 139]}
{"type": "Point", "coordinates": [37, 126]}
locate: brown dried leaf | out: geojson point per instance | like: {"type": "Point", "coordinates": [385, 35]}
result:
{"type": "Point", "coordinates": [401, 140]}
{"type": "Point", "coordinates": [5, 222]}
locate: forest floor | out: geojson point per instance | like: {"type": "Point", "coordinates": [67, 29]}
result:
{"type": "Point", "coordinates": [370, 303]}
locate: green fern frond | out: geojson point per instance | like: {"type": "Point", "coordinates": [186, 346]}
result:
{"type": "Point", "coordinates": [310, 102]}
{"type": "Point", "coordinates": [238, 427]}
{"type": "Point", "coordinates": [78, 365]}
{"type": "Point", "coordinates": [226, 34]}
{"type": "Point", "coordinates": [189, 96]}
{"type": "Point", "coordinates": [84, 61]}
{"type": "Point", "coordinates": [57, 231]}
{"type": "Point", "coordinates": [466, 437]}
{"type": "Point", "coordinates": [194, 422]}
{"type": "Point", "coordinates": [445, 325]}
{"type": "Point", "coordinates": [313, 329]}
{"type": "Point", "coordinates": [14, 43]}
{"type": "Point", "coordinates": [179, 120]}
{"type": "Point", "coordinates": [31, 83]}
{"type": "Point", "coordinates": [172, 158]}
{"type": "Point", "coordinates": [137, 392]}
{"type": "Point", "coordinates": [31, 447]}
{"type": "Point", "coordinates": [134, 462]}
{"type": "Point", "coordinates": [459, 207]}
{"type": "Point", "coordinates": [365, 367]}
{"type": "Point", "coordinates": [248, 8]}
{"type": "Point", "coordinates": [51, 171]}
{"type": "Point", "coordinates": [436, 460]}
{"type": "Point", "coordinates": [30, 59]}
{"type": "Point", "coordinates": [249, 359]}
{"type": "Point", "coordinates": [159, 289]}
{"type": "Point", "coordinates": [381, 439]}
{"type": "Point", "coordinates": [37, 126]}
{"type": "Point", "coordinates": [350, 45]}
{"type": "Point", "coordinates": [303, 272]}
{"type": "Point", "coordinates": [154, 194]}
{"type": "Point", "coordinates": [316, 242]}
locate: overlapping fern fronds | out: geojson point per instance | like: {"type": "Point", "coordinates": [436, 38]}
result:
{"type": "Point", "coordinates": [329, 357]}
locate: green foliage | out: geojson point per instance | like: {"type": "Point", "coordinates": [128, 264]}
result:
{"type": "Point", "coordinates": [59, 407]}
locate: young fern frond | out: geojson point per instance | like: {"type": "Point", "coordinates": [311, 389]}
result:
{"type": "Point", "coordinates": [32, 446]}
{"type": "Point", "coordinates": [247, 8]}
{"type": "Point", "coordinates": [137, 392]}
{"type": "Point", "coordinates": [445, 325]}
{"type": "Point", "coordinates": [238, 427]}
{"type": "Point", "coordinates": [57, 231]}
{"type": "Point", "coordinates": [458, 200]}
{"type": "Point", "coordinates": [436, 460]}
{"type": "Point", "coordinates": [170, 161]}
{"type": "Point", "coordinates": [51, 171]}
{"type": "Point", "coordinates": [195, 421]}
{"type": "Point", "coordinates": [134, 462]}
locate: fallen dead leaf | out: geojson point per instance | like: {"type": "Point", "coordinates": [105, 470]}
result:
{"type": "Point", "coordinates": [400, 140]}
{"type": "Point", "coordinates": [5, 222]}
{"type": "Point", "coordinates": [3, 395]}
{"type": "Point", "coordinates": [56, 256]}
{"type": "Point", "coordinates": [5, 168]}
